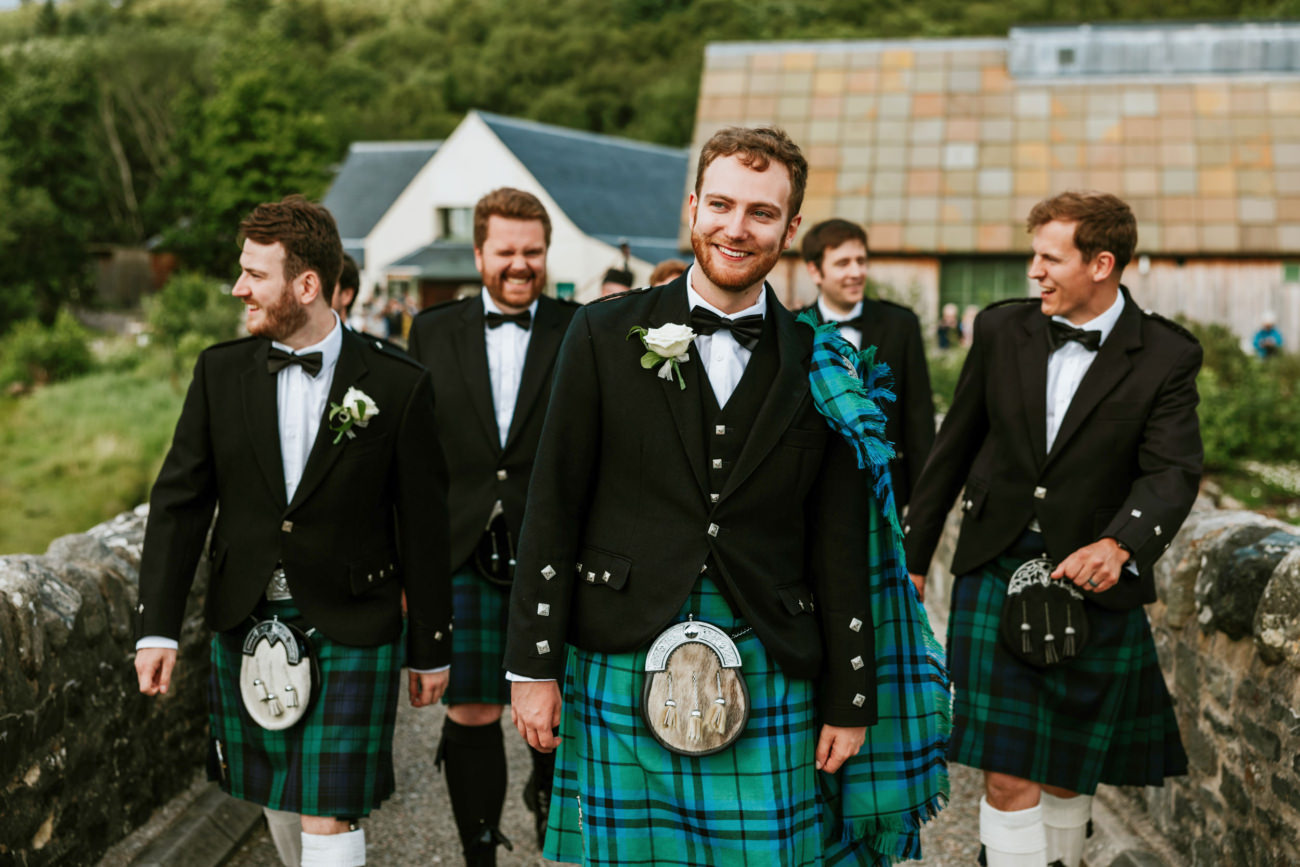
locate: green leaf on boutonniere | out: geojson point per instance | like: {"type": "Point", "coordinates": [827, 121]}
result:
{"type": "Point", "coordinates": [650, 359]}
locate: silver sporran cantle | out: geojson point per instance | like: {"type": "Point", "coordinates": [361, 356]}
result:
{"type": "Point", "coordinates": [277, 674]}
{"type": "Point", "coordinates": [695, 701]}
{"type": "Point", "coordinates": [1044, 621]}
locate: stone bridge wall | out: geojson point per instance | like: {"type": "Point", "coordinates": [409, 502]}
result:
{"type": "Point", "coordinates": [84, 758]}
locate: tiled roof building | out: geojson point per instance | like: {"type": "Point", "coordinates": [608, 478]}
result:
{"type": "Point", "coordinates": [941, 147]}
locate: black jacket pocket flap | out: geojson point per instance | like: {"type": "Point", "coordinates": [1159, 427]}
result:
{"type": "Point", "coordinates": [366, 575]}
{"type": "Point", "coordinates": [796, 598]}
{"type": "Point", "coordinates": [972, 499]}
{"type": "Point", "coordinates": [603, 568]}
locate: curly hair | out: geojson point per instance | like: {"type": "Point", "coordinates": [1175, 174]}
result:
{"type": "Point", "coordinates": [757, 148]}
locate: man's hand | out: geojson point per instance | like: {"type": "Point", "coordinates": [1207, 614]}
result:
{"type": "Point", "coordinates": [535, 711]}
{"type": "Point", "coordinates": [918, 581]}
{"type": "Point", "coordinates": [428, 687]}
{"type": "Point", "coordinates": [1094, 567]}
{"type": "Point", "coordinates": [153, 666]}
{"type": "Point", "coordinates": [837, 744]}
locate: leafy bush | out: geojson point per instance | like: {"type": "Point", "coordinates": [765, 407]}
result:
{"type": "Point", "coordinates": [190, 313]}
{"type": "Point", "coordinates": [945, 369]}
{"type": "Point", "coordinates": [1250, 409]}
{"type": "Point", "coordinates": [35, 354]}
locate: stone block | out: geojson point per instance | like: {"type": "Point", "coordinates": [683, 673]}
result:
{"type": "Point", "coordinates": [1234, 793]}
{"type": "Point", "coordinates": [1260, 739]}
{"type": "Point", "coordinates": [1286, 791]}
{"type": "Point", "coordinates": [1186, 663]}
{"type": "Point", "coordinates": [1237, 570]}
{"type": "Point", "coordinates": [1201, 751]}
{"type": "Point", "coordinates": [1138, 858]}
{"type": "Point", "coordinates": [1277, 619]}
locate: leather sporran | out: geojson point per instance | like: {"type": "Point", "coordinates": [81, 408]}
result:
{"type": "Point", "coordinates": [494, 556]}
{"type": "Point", "coordinates": [695, 701]}
{"type": "Point", "coordinates": [1044, 621]}
{"type": "Point", "coordinates": [278, 674]}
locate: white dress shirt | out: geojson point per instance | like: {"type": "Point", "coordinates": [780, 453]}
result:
{"type": "Point", "coordinates": [722, 358]}
{"type": "Point", "coordinates": [851, 333]}
{"type": "Point", "coordinates": [507, 346]}
{"type": "Point", "coordinates": [1067, 365]}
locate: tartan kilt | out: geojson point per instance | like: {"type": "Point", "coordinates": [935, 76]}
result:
{"type": "Point", "coordinates": [1103, 717]}
{"type": "Point", "coordinates": [478, 643]}
{"type": "Point", "coordinates": [338, 760]}
{"type": "Point", "coordinates": [621, 798]}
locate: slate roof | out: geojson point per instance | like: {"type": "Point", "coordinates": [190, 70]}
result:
{"type": "Point", "coordinates": [609, 187]}
{"type": "Point", "coordinates": [371, 178]}
{"type": "Point", "coordinates": [441, 260]}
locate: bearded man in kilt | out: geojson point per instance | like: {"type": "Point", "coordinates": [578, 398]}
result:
{"type": "Point", "coordinates": [318, 450]}
{"type": "Point", "coordinates": [1074, 432]}
{"type": "Point", "coordinates": [685, 475]}
{"type": "Point", "coordinates": [491, 357]}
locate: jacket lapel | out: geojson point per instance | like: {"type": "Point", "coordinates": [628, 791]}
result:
{"type": "Point", "coordinates": [784, 399]}
{"type": "Point", "coordinates": [684, 404]}
{"type": "Point", "coordinates": [1033, 383]}
{"type": "Point", "coordinates": [351, 368]}
{"type": "Point", "coordinates": [261, 414]}
{"type": "Point", "coordinates": [1110, 366]}
{"type": "Point", "coordinates": [471, 353]}
{"type": "Point", "coordinates": [543, 346]}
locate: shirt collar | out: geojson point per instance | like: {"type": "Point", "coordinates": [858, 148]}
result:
{"type": "Point", "coordinates": [694, 299]}
{"type": "Point", "coordinates": [1105, 323]}
{"type": "Point", "coordinates": [328, 348]}
{"type": "Point", "coordinates": [490, 306]}
{"type": "Point", "coordinates": [829, 315]}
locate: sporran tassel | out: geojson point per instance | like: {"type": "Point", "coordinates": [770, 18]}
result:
{"type": "Point", "coordinates": [1070, 649]}
{"type": "Point", "coordinates": [1049, 640]}
{"type": "Point", "coordinates": [717, 720]}
{"type": "Point", "coordinates": [695, 730]}
{"type": "Point", "coordinates": [670, 706]}
{"type": "Point", "coordinates": [1025, 646]}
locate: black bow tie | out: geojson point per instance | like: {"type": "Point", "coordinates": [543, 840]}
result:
{"type": "Point", "coordinates": [746, 329]}
{"type": "Point", "coordinates": [278, 359]}
{"type": "Point", "coordinates": [524, 318]}
{"type": "Point", "coordinates": [1059, 334]}
{"type": "Point", "coordinates": [853, 322]}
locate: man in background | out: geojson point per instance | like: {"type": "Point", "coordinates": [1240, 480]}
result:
{"type": "Point", "coordinates": [835, 254]}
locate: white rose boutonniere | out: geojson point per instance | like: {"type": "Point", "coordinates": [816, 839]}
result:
{"type": "Point", "coordinates": [666, 348]}
{"type": "Point", "coordinates": [357, 409]}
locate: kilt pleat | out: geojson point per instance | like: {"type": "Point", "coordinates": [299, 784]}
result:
{"type": "Point", "coordinates": [1102, 717]}
{"type": "Point", "coordinates": [338, 760]}
{"type": "Point", "coordinates": [478, 643]}
{"type": "Point", "coordinates": [621, 798]}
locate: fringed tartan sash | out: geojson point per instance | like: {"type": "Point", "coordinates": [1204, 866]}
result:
{"type": "Point", "coordinates": [899, 779]}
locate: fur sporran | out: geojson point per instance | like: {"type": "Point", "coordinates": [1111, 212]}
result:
{"type": "Point", "coordinates": [1043, 620]}
{"type": "Point", "coordinates": [695, 701]}
{"type": "Point", "coordinates": [278, 674]}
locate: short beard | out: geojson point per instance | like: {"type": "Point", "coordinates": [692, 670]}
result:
{"type": "Point", "coordinates": [756, 272]}
{"type": "Point", "coordinates": [282, 319]}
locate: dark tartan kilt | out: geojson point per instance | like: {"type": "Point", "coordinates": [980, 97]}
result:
{"type": "Point", "coordinates": [1102, 717]}
{"type": "Point", "coordinates": [478, 643]}
{"type": "Point", "coordinates": [621, 798]}
{"type": "Point", "coordinates": [338, 760]}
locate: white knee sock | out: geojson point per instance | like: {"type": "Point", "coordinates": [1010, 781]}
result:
{"type": "Point", "coordinates": [1066, 823]}
{"type": "Point", "coordinates": [286, 834]}
{"type": "Point", "coordinates": [1013, 839]}
{"type": "Point", "coordinates": [334, 850]}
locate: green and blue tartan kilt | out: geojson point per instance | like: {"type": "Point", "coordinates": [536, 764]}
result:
{"type": "Point", "coordinates": [338, 760]}
{"type": "Point", "coordinates": [621, 798]}
{"type": "Point", "coordinates": [1103, 717]}
{"type": "Point", "coordinates": [478, 643]}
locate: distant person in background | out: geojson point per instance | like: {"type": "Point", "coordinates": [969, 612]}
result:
{"type": "Point", "coordinates": [949, 332]}
{"type": "Point", "coordinates": [616, 280]}
{"type": "Point", "coordinates": [345, 293]}
{"type": "Point", "coordinates": [835, 253]}
{"type": "Point", "coordinates": [968, 324]}
{"type": "Point", "coordinates": [1268, 340]}
{"type": "Point", "coordinates": [667, 271]}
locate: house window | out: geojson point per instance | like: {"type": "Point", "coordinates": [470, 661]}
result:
{"type": "Point", "coordinates": [982, 281]}
{"type": "Point", "coordinates": [455, 224]}
{"type": "Point", "coordinates": [1291, 272]}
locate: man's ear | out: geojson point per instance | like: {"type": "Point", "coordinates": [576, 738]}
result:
{"type": "Point", "coordinates": [307, 287]}
{"type": "Point", "coordinates": [814, 271]}
{"type": "Point", "coordinates": [790, 230]}
{"type": "Point", "coordinates": [1102, 265]}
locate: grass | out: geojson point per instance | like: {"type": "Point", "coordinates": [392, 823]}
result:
{"type": "Point", "coordinates": [76, 453]}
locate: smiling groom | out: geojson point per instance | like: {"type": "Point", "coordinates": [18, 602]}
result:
{"type": "Point", "coordinates": [319, 447]}
{"type": "Point", "coordinates": [701, 486]}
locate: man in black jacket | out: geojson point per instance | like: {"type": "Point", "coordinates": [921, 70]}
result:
{"type": "Point", "coordinates": [320, 448]}
{"type": "Point", "coordinates": [835, 253]}
{"type": "Point", "coordinates": [491, 357]}
{"type": "Point", "coordinates": [684, 473]}
{"type": "Point", "coordinates": [1074, 432]}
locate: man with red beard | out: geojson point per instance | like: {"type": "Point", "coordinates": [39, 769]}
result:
{"type": "Point", "coordinates": [684, 474]}
{"type": "Point", "coordinates": [491, 357]}
{"type": "Point", "coordinates": [318, 446]}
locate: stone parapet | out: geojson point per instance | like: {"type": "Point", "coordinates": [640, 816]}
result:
{"type": "Point", "coordinates": [84, 758]}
